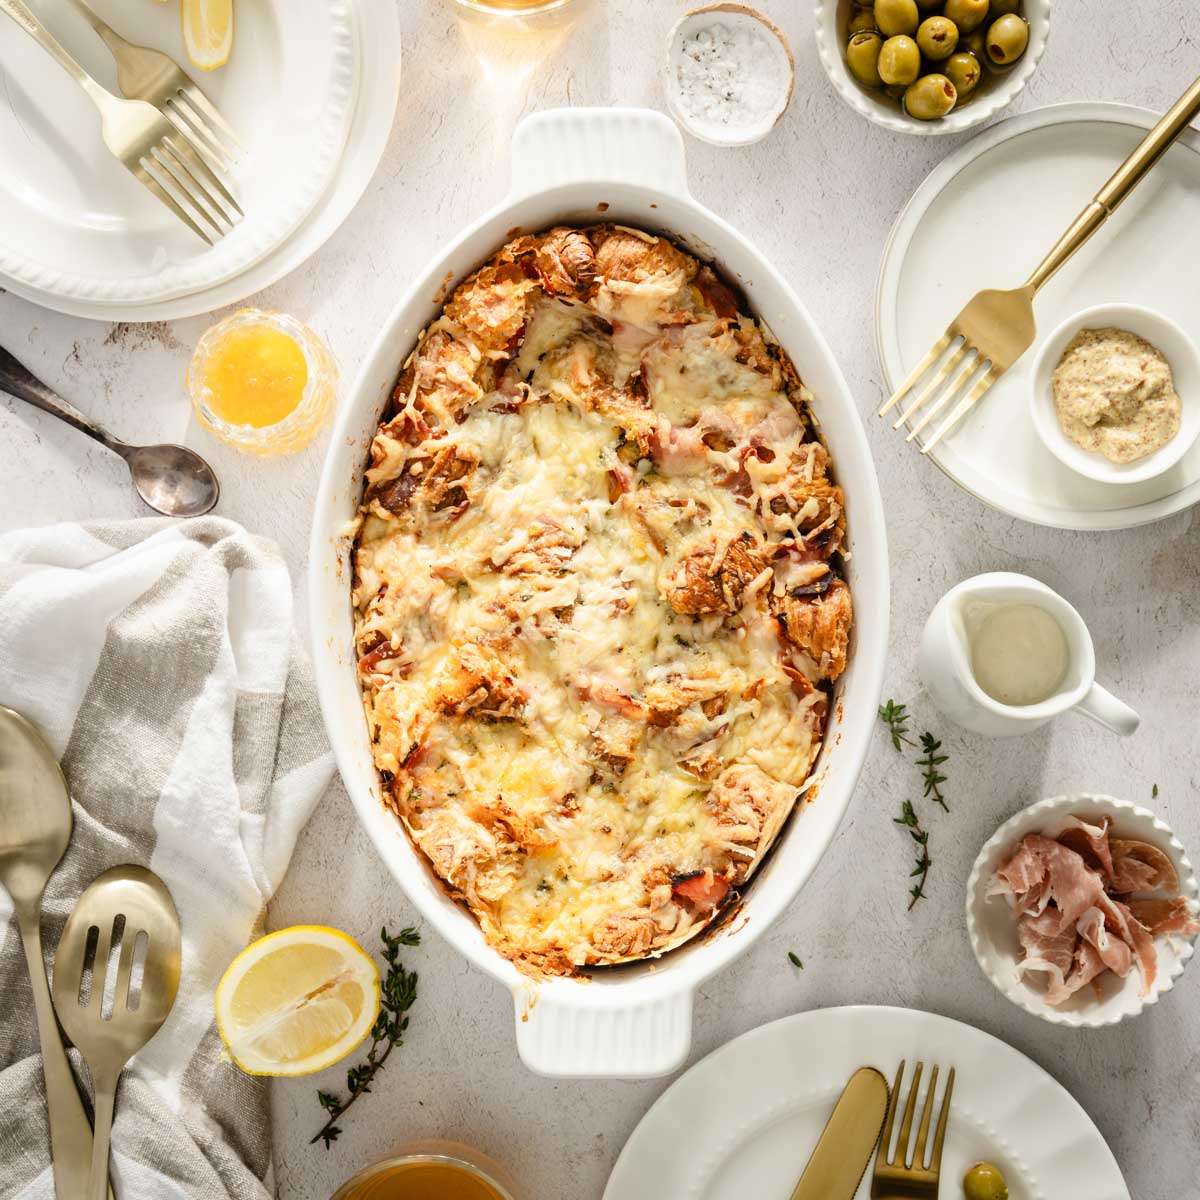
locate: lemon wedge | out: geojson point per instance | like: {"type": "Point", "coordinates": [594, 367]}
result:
{"type": "Point", "coordinates": [208, 32]}
{"type": "Point", "coordinates": [297, 1001]}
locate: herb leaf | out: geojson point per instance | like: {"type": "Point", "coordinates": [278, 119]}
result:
{"type": "Point", "coordinates": [795, 961]}
{"type": "Point", "coordinates": [930, 764]}
{"type": "Point", "coordinates": [895, 717]}
{"type": "Point", "coordinates": [398, 992]}
{"type": "Point", "coordinates": [908, 818]}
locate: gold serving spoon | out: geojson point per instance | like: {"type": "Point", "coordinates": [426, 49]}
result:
{"type": "Point", "coordinates": [35, 827]}
{"type": "Point", "coordinates": [127, 919]}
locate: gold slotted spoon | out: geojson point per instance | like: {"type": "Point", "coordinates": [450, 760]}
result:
{"type": "Point", "coordinates": [125, 916]}
{"type": "Point", "coordinates": [997, 327]}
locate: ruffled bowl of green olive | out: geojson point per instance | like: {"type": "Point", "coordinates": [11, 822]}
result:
{"type": "Point", "coordinates": [928, 67]}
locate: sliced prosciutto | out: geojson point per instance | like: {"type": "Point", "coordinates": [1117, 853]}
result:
{"type": "Point", "coordinates": [1087, 903]}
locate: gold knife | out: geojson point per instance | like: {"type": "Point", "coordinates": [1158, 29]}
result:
{"type": "Point", "coordinates": [845, 1147]}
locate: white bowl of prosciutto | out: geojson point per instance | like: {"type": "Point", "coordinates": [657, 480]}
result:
{"type": "Point", "coordinates": [1082, 909]}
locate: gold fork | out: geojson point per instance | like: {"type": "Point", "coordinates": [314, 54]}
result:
{"type": "Point", "coordinates": [150, 75]}
{"type": "Point", "coordinates": [901, 1178]}
{"type": "Point", "coordinates": [161, 156]}
{"type": "Point", "coordinates": [997, 327]}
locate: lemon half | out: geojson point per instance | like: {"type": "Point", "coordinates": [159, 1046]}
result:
{"type": "Point", "coordinates": [208, 32]}
{"type": "Point", "coordinates": [297, 1001]}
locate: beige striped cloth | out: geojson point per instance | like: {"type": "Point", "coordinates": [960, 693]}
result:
{"type": "Point", "coordinates": [159, 659]}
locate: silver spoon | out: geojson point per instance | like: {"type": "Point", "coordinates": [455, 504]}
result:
{"type": "Point", "coordinates": [35, 826]}
{"type": "Point", "coordinates": [135, 923]}
{"type": "Point", "coordinates": [172, 480]}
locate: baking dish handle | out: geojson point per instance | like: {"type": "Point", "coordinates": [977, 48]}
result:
{"type": "Point", "coordinates": [609, 145]}
{"type": "Point", "coordinates": [589, 1038]}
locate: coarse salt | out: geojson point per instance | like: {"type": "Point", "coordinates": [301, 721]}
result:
{"type": "Point", "coordinates": [729, 75]}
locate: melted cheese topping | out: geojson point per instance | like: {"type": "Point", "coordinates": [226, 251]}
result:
{"type": "Point", "coordinates": [568, 586]}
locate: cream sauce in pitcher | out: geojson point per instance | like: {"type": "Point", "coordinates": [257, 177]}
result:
{"type": "Point", "coordinates": [1002, 654]}
{"type": "Point", "coordinates": [1019, 652]}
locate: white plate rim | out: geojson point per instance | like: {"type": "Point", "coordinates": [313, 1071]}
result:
{"type": "Point", "coordinates": [892, 261]}
{"type": "Point", "coordinates": [370, 130]}
{"type": "Point", "coordinates": [1072, 1124]}
{"type": "Point", "coordinates": [20, 273]}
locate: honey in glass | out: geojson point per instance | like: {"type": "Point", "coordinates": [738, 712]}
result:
{"type": "Point", "coordinates": [262, 382]}
{"type": "Point", "coordinates": [427, 1176]}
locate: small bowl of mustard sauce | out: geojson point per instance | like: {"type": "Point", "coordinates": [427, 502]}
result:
{"type": "Point", "coordinates": [1116, 393]}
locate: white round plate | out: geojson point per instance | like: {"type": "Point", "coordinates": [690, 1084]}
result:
{"type": "Point", "coordinates": [744, 1120]}
{"type": "Point", "coordinates": [984, 218]}
{"type": "Point", "coordinates": [78, 230]}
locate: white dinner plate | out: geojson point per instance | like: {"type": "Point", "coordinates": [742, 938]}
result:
{"type": "Point", "coordinates": [984, 218]}
{"type": "Point", "coordinates": [743, 1121]}
{"type": "Point", "coordinates": [79, 231]}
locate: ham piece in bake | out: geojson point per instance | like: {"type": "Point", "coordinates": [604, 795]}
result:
{"type": "Point", "coordinates": [1080, 907]}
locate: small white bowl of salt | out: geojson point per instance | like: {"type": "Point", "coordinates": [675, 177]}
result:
{"type": "Point", "coordinates": [729, 74]}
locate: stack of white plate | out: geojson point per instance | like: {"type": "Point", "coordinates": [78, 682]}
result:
{"type": "Point", "coordinates": [311, 90]}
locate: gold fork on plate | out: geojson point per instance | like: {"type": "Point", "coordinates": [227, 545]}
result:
{"type": "Point", "coordinates": [997, 327]}
{"type": "Point", "coordinates": [150, 75]}
{"type": "Point", "coordinates": [898, 1177]}
{"type": "Point", "coordinates": [160, 155]}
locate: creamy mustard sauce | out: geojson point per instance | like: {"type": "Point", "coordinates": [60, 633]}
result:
{"type": "Point", "coordinates": [1019, 653]}
{"type": "Point", "coordinates": [1115, 395]}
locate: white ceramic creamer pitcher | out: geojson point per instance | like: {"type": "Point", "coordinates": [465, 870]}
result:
{"type": "Point", "coordinates": [944, 662]}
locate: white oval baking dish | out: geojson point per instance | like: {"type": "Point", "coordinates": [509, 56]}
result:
{"type": "Point", "coordinates": [586, 165]}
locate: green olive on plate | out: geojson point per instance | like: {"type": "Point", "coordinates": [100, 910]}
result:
{"type": "Point", "coordinates": [1007, 39]}
{"type": "Point", "coordinates": [967, 14]}
{"type": "Point", "coordinates": [937, 38]}
{"type": "Point", "coordinates": [963, 70]}
{"type": "Point", "coordinates": [862, 57]}
{"type": "Point", "coordinates": [899, 60]}
{"type": "Point", "coordinates": [984, 1182]}
{"type": "Point", "coordinates": [896, 16]}
{"type": "Point", "coordinates": [931, 97]}
{"type": "Point", "coordinates": [862, 21]}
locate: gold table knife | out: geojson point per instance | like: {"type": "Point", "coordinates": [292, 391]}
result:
{"type": "Point", "coordinates": [845, 1146]}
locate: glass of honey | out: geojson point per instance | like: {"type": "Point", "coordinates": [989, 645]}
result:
{"type": "Point", "coordinates": [443, 1172]}
{"type": "Point", "coordinates": [515, 16]}
{"type": "Point", "coordinates": [262, 382]}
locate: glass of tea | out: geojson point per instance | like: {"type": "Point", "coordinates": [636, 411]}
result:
{"type": "Point", "coordinates": [440, 1172]}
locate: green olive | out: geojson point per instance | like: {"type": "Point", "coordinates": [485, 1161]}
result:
{"type": "Point", "coordinates": [863, 21]}
{"type": "Point", "coordinates": [1001, 8]}
{"type": "Point", "coordinates": [928, 5]}
{"type": "Point", "coordinates": [937, 37]}
{"type": "Point", "coordinates": [975, 43]}
{"type": "Point", "coordinates": [1007, 39]}
{"type": "Point", "coordinates": [896, 91]}
{"type": "Point", "coordinates": [862, 58]}
{"type": "Point", "coordinates": [931, 97]}
{"type": "Point", "coordinates": [896, 16]}
{"type": "Point", "coordinates": [963, 70]}
{"type": "Point", "coordinates": [899, 60]}
{"type": "Point", "coordinates": [967, 14]}
{"type": "Point", "coordinates": [984, 1182]}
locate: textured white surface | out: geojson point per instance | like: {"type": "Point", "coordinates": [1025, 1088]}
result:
{"type": "Point", "coordinates": [818, 195]}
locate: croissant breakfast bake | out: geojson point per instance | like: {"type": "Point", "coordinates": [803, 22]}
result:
{"type": "Point", "coordinates": [598, 599]}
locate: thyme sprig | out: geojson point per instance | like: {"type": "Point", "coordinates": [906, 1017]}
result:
{"type": "Point", "coordinates": [920, 872]}
{"type": "Point", "coordinates": [398, 992]}
{"type": "Point", "coordinates": [895, 717]}
{"type": "Point", "coordinates": [930, 764]}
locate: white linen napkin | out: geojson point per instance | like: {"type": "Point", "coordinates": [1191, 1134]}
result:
{"type": "Point", "coordinates": [159, 660]}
